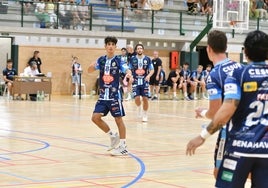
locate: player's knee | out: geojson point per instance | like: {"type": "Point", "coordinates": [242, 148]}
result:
{"type": "Point", "coordinates": [95, 118]}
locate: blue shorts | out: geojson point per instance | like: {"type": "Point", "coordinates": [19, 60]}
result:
{"type": "Point", "coordinates": [113, 106]}
{"type": "Point", "coordinates": [141, 90]}
{"type": "Point", "coordinates": [234, 171]}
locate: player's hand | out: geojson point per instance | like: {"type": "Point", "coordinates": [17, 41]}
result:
{"type": "Point", "coordinates": [128, 75]}
{"type": "Point", "coordinates": [147, 78]}
{"type": "Point", "coordinates": [194, 144]}
{"type": "Point", "coordinates": [198, 111]}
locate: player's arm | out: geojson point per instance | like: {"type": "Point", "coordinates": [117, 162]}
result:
{"type": "Point", "coordinates": [215, 101]}
{"type": "Point", "coordinates": [176, 78]}
{"type": "Point", "coordinates": [6, 80]}
{"type": "Point", "coordinates": [129, 76]}
{"type": "Point", "coordinates": [92, 67]}
{"type": "Point", "coordinates": [222, 116]}
{"type": "Point", "coordinates": [80, 68]}
{"type": "Point", "coordinates": [151, 72]}
{"type": "Point", "coordinates": [214, 106]}
{"type": "Point", "coordinates": [195, 79]}
{"type": "Point", "coordinates": [158, 72]}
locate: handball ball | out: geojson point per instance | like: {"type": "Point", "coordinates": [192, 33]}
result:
{"type": "Point", "coordinates": [156, 4]}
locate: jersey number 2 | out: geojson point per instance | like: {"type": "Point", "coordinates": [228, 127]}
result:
{"type": "Point", "coordinates": [259, 116]}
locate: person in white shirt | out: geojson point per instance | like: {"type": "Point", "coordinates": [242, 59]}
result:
{"type": "Point", "coordinates": [31, 70]}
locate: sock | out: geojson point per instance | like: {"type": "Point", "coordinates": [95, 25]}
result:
{"type": "Point", "coordinates": [174, 94]}
{"type": "Point", "coordinates": [122, 142]}
{"type": "Point", "coordinates": [185, 94]}
{"type": "Point", "coordinates": [144, 112]}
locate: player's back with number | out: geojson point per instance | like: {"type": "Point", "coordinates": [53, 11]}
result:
{"type": "Point", "coordinates": [253, 81]}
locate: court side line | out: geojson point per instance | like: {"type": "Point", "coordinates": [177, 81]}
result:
{"type": "Point", "coordinates": [139, 176]}
{"type": "Point", "coordinates": [46, 145]}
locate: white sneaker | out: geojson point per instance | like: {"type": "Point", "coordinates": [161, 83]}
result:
{"type": "Point", "coordinates": [175, 98]}
{"type": "Point", "coordinates": [114, 141]}
{"type": "Point", "coordinates": [144, 118]}
{"type": "Point", "coordinates": [120, 151]}
{"type": "Point", "coordinates": [187, 98]}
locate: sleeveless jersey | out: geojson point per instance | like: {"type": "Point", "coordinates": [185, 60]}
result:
{"type": "Point", "coordinates": [196, 75]}
{"type": "Point", "coordinates": [248, 127]}
{"type": "Point", "coordinates": [110, 76]}
{"type": "Point", "coordinates": [217, 76]}
{"type": "Point", "coordinates": [140, 69]}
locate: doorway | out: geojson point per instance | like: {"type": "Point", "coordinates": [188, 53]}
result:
{"type": "Point", "coordinates": [203, 56]}
{"type": "Point", "coordinates": [5, 52]}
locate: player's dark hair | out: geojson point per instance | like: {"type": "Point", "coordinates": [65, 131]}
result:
{"type": "Point", "coordinates": [256, 46]}
{"type": "Point", "coordinates": [9, 61]}
{"type": "Point", "coordinates": [217, 40]}
{"type": "Point", "coordinates": [110, 39]}
{"type": "Point", "coordinates": [36, 52]}
{"type": "Point", "coordinates": [139, 45]}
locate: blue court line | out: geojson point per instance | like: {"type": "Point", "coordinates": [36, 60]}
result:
{"type": "Point", "coordinates": [18, 176]}
{"type": "Point", "coordinates": [4, 158]}
{"type": "Point", "coordinates": [142, 165]}
{"type": "Point", "coordinates": [142, 171]}
{"type": "Point", "coordinates": [46, 145]}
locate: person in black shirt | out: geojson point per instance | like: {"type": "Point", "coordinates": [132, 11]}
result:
{"type": "Point", "coordinates": [175, 81]}
{"type": "Point", "coordinates": [8, 75]}
{"type": "Point", "coordinates": [36, 59]}
{"type": "Point", "coordinates": [154, 80]}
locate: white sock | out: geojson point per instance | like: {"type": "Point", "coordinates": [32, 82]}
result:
{"type": "Point", "coordinates": [174, 94]}
{"type": "Point", "coordinates": [122, 142]}
{"type": "Point", "coordinates": [144, 112]}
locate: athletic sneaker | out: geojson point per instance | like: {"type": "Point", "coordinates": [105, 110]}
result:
{"type": "Point", "coordinates": [154, 98]}
{"type": "Point", "coordinates": [187, 98]}
{"type": "Point", "coordinates": [175, 98]}
{"type": "Point", "coordinates": [190, 97]}
{"type": "Point", "coordinates": [120, 151]}
{"type": "Point", "coordinates": [114, 141]}
{"type": "Point", "coordinates": [144, 117]}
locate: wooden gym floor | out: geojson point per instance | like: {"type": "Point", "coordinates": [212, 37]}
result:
{"type": "Point", "coordinates": [54, 144]}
